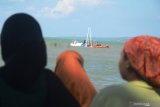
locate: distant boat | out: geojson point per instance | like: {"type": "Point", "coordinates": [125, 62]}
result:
{"type": "Point", "coordinates": [76, 43]}
{"type": "Point", "coordinates": [101, 46]}
{"type": "Point", "coordinates": [88, 42]}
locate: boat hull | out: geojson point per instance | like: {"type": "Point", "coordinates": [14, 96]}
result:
{"type": "Point", "coordinates": [76, 43]}
{"type": "Point", "coordinates": [100, 46]}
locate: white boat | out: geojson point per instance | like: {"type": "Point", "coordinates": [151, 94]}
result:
{"type": "Point", "coordinates": [88, 42]}
{"type": "Point", "coordinates": [76, 43]}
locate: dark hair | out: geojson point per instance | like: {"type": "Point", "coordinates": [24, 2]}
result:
{"type": "Point", "coordinates": [131, 68]}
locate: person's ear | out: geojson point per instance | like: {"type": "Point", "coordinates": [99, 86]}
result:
{"type": "Point", "coordinates": [127, 64]}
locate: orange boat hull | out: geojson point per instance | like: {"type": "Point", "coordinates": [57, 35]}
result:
{"type": "Point", "coordinates": [100, 46]}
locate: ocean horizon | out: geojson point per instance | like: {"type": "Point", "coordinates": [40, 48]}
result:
{"type": "Point", "coordinates": [101, 64]}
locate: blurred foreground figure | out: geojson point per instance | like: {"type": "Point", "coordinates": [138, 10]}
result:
{"type": "Point", "coordinates": [24, 81]}
{"type": "Point", "coordinates": [140, 66]}
{"type": "Point", "coordinates": [70, 70]}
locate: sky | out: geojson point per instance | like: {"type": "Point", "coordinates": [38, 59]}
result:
{"type": "Point", "coordinates": [71, 18]}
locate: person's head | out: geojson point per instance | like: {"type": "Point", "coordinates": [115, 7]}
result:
{"type": "Point", "coordinates": [23, 47]}
{"type": "Point", "coordinates": [141, 60]}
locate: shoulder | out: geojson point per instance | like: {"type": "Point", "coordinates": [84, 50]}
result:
{"type": "Point", "coordinates": [51, 77]}
{"type": "Point", "coordinates": [123, 95]}
{"type": "Point", "coordinates": [54, 84]}
{"type": "Point", "coordinates": [57, 94]}
{"type": "Point", "coordinates": [127, 89]}
{"type": "Point", "coordinates": [113, 90]}
{"type": "Point", "coordinates": [112, 96]}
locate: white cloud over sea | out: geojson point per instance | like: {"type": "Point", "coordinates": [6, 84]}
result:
{"type": "Point", "coordinates": [67, 7]}
{"type": "Point", "coordinates": [49, 8]}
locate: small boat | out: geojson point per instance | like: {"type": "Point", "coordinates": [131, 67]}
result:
{"type": "Point", "coordinates": [88, 42]}
{"type": "Point", "coordinates": [76, 43]}
{"type": "Point", "coordinates": [102, 46]}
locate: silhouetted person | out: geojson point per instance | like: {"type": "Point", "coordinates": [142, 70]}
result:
{"type": "Point", "coordinates": [24, 81]}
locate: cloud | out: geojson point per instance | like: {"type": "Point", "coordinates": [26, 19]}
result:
{"type": "Point", "coordinates": [62, 8]}
{"type": "Point", "coordinates": [66, 7]}
{"type": "Point", "coordinates": [91, 2]}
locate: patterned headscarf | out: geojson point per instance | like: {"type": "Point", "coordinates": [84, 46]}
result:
{"type": "Point", "coordinates": [143, 53]}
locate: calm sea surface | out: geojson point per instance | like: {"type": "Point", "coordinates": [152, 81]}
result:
{"type": "Point", "coordinates": [101, 64]}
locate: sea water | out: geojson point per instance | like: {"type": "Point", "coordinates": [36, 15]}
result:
{"type": "Point", "coordinates": [101, 64]}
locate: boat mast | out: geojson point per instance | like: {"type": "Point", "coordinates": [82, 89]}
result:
{"type": "Point", "coordinates": [90, 35]}
{"type": "Point", "coordinates": [87, 39]}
